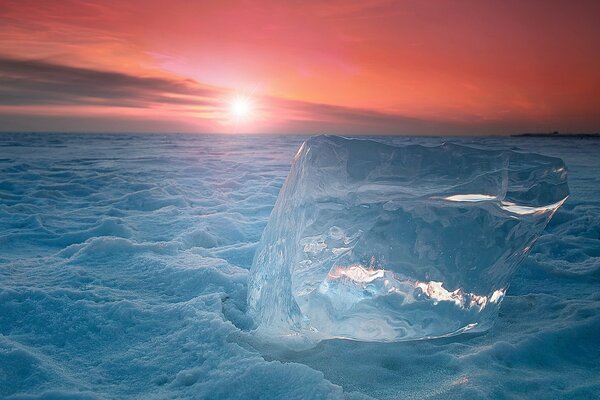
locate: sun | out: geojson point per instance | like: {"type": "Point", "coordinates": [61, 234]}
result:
{"type": "Point", "coordinates": [241, 108]}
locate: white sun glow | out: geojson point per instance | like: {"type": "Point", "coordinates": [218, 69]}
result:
{"type": "Point", "coordinates": [240, 108]}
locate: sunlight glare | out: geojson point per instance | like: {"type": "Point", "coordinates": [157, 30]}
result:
{"type": "Point", "coordinates": [240, 108]}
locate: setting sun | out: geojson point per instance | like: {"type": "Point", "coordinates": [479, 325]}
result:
{"type": "Point", "coordinates": [241, 108]}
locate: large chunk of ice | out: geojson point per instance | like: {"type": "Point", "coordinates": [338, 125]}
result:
{"type": "Point", "coordinates": [375, 242]}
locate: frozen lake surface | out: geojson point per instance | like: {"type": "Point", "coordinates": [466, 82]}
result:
{"type": "Point", "coordinates": [124, 263]}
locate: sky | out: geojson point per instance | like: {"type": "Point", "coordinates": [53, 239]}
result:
{"type": "Point", "coordinates": [345, 67]}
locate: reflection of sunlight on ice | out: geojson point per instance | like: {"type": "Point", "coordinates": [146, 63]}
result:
{"type": "Point", "coordinates": [524, 210]}
{"type": "Point", "coordinates": [506, 205]}
{"type": "Point", "coordinates": [299, 152]}
{"type": "Point", "coordinates": [357, 273]}
{"type": "Point", "coordinates": [435, 290]}
{"type": "Point", "coordinates": [390, 283]}
{"type": "Point", "coordinates": [470, 197]}
{"type": "Point", "coordinates": [497, 295]}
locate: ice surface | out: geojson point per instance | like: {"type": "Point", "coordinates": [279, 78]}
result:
{"type": "Point", "coordinates": [123, 274]}
{"type": "Point", "coordinates": [376, 242]}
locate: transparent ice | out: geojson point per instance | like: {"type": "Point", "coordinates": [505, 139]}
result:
{"type": "Point", "coordinates": [375, 242]}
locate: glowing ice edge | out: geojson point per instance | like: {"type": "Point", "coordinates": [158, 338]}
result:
{"type": "Point", "coordinates": [506, 205]}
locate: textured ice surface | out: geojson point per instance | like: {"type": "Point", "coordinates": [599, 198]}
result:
{"type": "Point", "coordinates": [123, 274]}
{"type": "Point", "coordinates": [375, 242]}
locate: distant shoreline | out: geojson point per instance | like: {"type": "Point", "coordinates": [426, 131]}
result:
{"type": "Point", "coordinates": [559, 135]}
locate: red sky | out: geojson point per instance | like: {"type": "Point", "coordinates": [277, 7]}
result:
{"type": "Point", "coordinates": [373, 66]}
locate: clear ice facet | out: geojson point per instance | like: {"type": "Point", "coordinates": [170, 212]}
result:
{"type": "Point", "coordinates": [375, 242]}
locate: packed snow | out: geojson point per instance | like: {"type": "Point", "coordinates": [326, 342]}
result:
{"type": "Point", "coordinates": [376, 242]}
{"type": "Point", "coordinates": [124, 272]}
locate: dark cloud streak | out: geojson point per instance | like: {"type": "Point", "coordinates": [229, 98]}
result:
{"type": "Point", "coordinates": [26, 82]}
